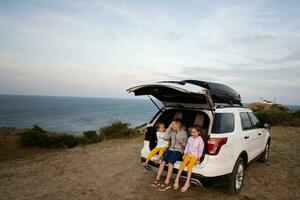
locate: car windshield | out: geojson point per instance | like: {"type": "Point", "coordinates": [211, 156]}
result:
{"type": "Point", "coordinates": [223, 123]}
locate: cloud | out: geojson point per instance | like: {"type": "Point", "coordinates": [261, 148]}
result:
{"type": "Point", "coordinates": [252, 46]}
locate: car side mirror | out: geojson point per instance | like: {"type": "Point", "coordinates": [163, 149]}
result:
{"type": "Point", "coordinates": [267, 126]}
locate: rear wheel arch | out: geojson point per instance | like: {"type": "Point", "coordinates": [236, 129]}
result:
{"type": "Point", "coordinates": [244, 156]}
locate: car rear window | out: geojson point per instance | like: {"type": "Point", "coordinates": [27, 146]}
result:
{"type": "Point", "coordinates": [223, 123]}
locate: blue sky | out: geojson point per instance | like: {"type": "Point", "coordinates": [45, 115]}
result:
{"type": "Point", "coordinates": [101, 48]}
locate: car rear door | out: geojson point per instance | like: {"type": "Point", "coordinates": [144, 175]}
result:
{"type": "Point", "coordinates": [261, 134]}
{"type": "Point", "coordinates": [250, 135]}
{"type": "Point", "coordinates": [177, 94]}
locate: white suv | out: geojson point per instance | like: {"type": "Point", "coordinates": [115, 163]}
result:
{"type": "Point", "coordinates": [233, 135]}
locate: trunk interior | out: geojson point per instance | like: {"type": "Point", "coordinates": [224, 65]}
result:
{"type": "Point", "coordinates": [188, 117]}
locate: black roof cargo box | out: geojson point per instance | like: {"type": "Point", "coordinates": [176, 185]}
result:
{"type": "Point", "coordinates": [220, 93]}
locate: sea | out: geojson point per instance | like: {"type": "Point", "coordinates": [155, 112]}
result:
{"type": "Point", "coordinates": [72, 114]}
{"type": "Point", "coordinates": [75, 114]}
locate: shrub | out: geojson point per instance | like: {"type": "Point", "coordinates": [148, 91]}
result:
{"type": "Point", "coordinates": [91, 136]}
{"type": "Point", "coordinates": [38, 129]}
{"type": "Point", "coordinates": [297, 114]}
{"type": "Point", "coordinates": [278, 118]}
{"type": "Point", "coordinates": [117, 129]}
{"type": "Point", "coordinates": [81, 140]}
{"type": "Point", "coordinates": [62, 141]}
{"type": "Point", "coordinates": [34, 137]}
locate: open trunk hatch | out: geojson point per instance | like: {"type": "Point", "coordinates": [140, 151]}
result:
{"type": "Point", "coordinates": [176, 94]}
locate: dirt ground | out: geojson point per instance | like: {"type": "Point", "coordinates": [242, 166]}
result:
{"type": "Point", "coordinates": [112, 170]}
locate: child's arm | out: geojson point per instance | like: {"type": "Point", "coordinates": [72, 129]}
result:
{"type": "Point", "coordinates": [201, 147]}
{"type": "Point", "coordinates": [168, 131]}
{"type": "Point", "coordinates": [186, 147]}
{"type": "Point", "coordinates": [184, 140]}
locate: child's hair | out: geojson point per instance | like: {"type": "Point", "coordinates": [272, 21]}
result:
{"type": "Point", "coordinates": [198, 129]}
{"type": "Point", "coordinates": [177, 120]}
{"type": "Point", "coordinates": [158, 124]}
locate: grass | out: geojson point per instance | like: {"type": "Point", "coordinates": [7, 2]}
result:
{"type": "Point", "coordinates": [287, 140]}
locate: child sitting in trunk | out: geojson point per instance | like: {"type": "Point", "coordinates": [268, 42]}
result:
{"type": "Point", "coordinates": [177, 137]}
{"type": "Point", "coordinates": [161, 146]}
{"type": "Point", "coordinates": [192, 154]}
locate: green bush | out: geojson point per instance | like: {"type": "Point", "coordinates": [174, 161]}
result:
{"type": "Point", "coordinates": [34, 137]}
{"type": "Point", "coordinates": [91, 136]}
{"type": "Point", "coordinates": [117, 129]}
{"type": "Point", "coordinates": [297, 114]}
{"type": "Point", "coordinates": [81, 140]}
{"type": "Point", "coordinates": [39, 137]}
{"type": "Point", "coordinates": [62, 141]}
{"type": "Point", "coordinates": [278, 118]}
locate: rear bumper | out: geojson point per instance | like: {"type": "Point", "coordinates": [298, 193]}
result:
{"type": "Point", "coordinates": [196, 179]}
{"type": "Point", "coordinates": [211, 166]}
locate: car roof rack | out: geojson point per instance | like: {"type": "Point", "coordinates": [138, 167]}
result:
{"type": "Point", "coordinates": [225, 105]}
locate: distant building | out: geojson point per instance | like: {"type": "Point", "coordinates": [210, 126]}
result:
{"type": "Point", "coordinates": [266, 102]}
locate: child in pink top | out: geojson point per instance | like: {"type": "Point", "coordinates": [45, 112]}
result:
{"type": "Point", "coordinates": [192, 154]}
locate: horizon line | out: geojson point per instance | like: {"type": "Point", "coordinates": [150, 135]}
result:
{"type": "Point", "coordinates": [108, 97]}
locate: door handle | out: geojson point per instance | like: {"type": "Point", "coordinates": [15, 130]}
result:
{"type": "Point", "coordinates": [259, 133]}
{"type": "Point", "coordinates": [246, 137]}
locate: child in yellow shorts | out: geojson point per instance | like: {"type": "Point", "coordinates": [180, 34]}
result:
{"type": "Point", "coordinates": [161, 146]}
{"type": "Point", "coordinates": [192, 154]}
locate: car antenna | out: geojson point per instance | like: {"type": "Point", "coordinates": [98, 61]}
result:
{"type": "Point", "coordinates": [154, 102]}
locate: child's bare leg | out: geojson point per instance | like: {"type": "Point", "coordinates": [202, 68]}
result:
{"type": "Point", "coordinates": [160, 169]}
{"type": "Point", "coordinates": [146, 162]}
{"type": "Point", "coordinates": [170, 171]}
{"type": "Point", "coordinates": [187, 182]}
{"type": "Point", "coordinates": [188, 179]}
{"type": "Point", "coordinates": [158, 158]}
{"type": "Point", "coordinates": [177, 178]}
{"type": "Point", "coordinates": [179, 174]}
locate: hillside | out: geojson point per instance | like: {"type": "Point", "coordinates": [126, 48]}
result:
{"type": "Point", "coordinates": [267, 106]}
{"type": "Point", "coordinates": [112, 170]}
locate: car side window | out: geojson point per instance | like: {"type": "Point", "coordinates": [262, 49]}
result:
{"type": "Point", "coordinates": [245, 120]}
{"type": "Point", "coordinates": [255, 122]}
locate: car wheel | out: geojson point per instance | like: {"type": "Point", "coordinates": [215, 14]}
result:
{"type": "Point", "coordinates": [236, 179]}
{"type": "Point", "coordinates": [265, 156]}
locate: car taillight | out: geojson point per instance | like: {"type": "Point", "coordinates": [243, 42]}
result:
{"type": "Point", "coordinates": [214, 145]}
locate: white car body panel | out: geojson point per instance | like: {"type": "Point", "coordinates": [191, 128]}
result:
{"type": "Point", "coordinates": [223, 163]}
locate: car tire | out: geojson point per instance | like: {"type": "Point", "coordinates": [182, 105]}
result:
{"type": "Point", "coordinates": [265, 156]}
{"type": "Point", "coordinates": [236, 179]}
